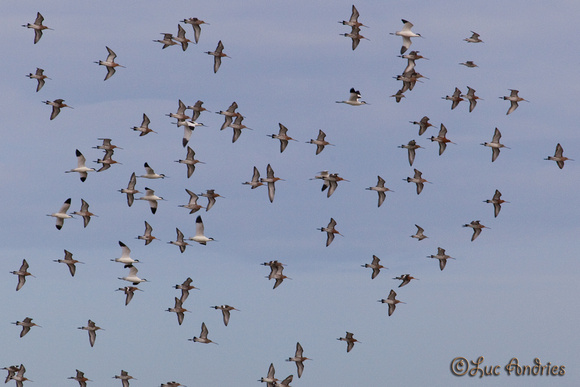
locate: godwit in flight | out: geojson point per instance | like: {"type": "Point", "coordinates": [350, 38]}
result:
{"type": "Point", "coordinates": [69, 261]}
{"type": "Point", "coordinates": [144, 128]}
{"type": "Point", "coordinates": [211, 196]}
{"type": "Point", "coordinates": [185, 287]}
{"type": "Point", "coordinates": [375, 265]}
{"type": "Point", "coordinates": [282, 136]}
{"type": "Point", "coordinates": [320, 142]}
{"type": "Point", "coordinates": [417, 179]}
{"type": "Point", "coordinates": [255, 182]}
{"type": "Point", "coordinates": [237, 126]}
{"type": "Point", "coordinates": [442, 139]}
{"type": "Point", "coordinates": [130, 190]}
{"type": "Point", "coordinates": [40, 77]}
{"type": "Point", "coordinates": [179, 241]}
{"type": "Point", "coordinates": [269, 379]}
{"type": "Point", "coordinates": [558, 157]}
{"type": "Point", "coordinates": [419, 235]}
{"type": "Point", "coordinates": [192, 204]}
{"type": "Point", "coordinates": [180, 115]}
{"type": "Point", "coordinates": [80, 377]}
{"type": "Point", "coordinates": [514, 99]}
{"type": "Point", "coordinates": [190, 161]}
{"type": "Point", "coordinates": [180, 38]}
{"type": "Point", "coordinates": [197, 109]}
{"type": "Point", "coordinates": [411, 146]}
{"type": "Point", "coordinates": [179, 310]}
{"type": "Point", "coordinates": [124, 378]}
{"type": "Point", "coordinates": [392, 301]}
{"type": "Point", "coordinates": [477, 227]}
{"type": "Point", "coordinates": [199, 236]}
{"type": "Point", "coordinates": [471, 97]}
{"type": "Point", "coordinates": [37, 26]}
{"type": "Point", "coordinates": [92, 328]}
{"type": "Point", "coordinates": [167, 40]}
{"type": "Point", "coordinates": [57, 104]}
{"type": "Point", "coordinates": [355, 35]}
{"type": "Point", "coordinates": [129, 292]}
{"type": "Point", "coordinates": [353, 21]}
{"type": "Point", "coordinates": [109, 63]}
{"type": "Point", "coordinates": [474, 38]}
{"type": "Point", "coordinates": [354, 98]}
{"type": "Point", "coordinates": [496, 201]}
{"type": "Point", "coordinates": [107, 145]}
{"type": "Point", "coordinates": [350, 340]}
{"type": "Point", "coordinates": [399, 95]}
{"type": "Point", "coordinates": [442, 257]}
{"type": "Point", "coordinates": [284, 383]}
{"type": "Point", "coordinates": [225, 312]}
{"type": "Point", "coordinates": [196, 24]}
{"type": "Point", "coordinates": [380, 189]}
{"type": "Point", "coordinates": [26, 324]}
{"type": "Point", "coordinates": [202, 336]}
{"type": "Point", "coordinates": [229, 115]}
{"type": "Point", "coordinates": [18, 375]}
{"type": "Point", "coordinates": [84, 212]}
{"type": "Point", "coordinates": [299, 359]}
{"type": "Point", "coordinates": [217, 56]}
{"type": "Point", "coordinates": [469, 64]}
{"type": "Point", "coordinates": [81, 168]}
{"type": "Point", "coordinates": [125, 257]}
{"type": "Point", "coordinates": [406, 278]}
{"type": "Point", "coordinates": [423, 124]}
{"type": "Point", "coordinates": [406, 34]}
{"type": "Point", "coordinates": [330, 231]}
{"type": "Point", "coordinates": [276, 270]}
{"type": "Point", "coordinates": [147, 237]}
{"type": "Point", "coordinates": [495, 144]}
{"type": "Point", "coordinates": [270, 179]}
{"type": "Point", "coordinates": [456, 98]}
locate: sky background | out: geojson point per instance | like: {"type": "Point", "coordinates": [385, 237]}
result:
{"type": "Point", "coordinates": [510, 293]}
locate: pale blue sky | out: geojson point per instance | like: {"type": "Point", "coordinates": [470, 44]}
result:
{"type": "Point", "coordinates": [510, 293]}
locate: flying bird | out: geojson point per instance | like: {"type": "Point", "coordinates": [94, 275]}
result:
{"type": "Point", "coordinates": [40, 77]}
{"type": "Point", "coordinates": [125, 257]}
{"type": "Point", "coordinates": [185, 287]}
{"type": "Point", "coordinates": [61, 215]}
{"type": "Point", "coordinates": [282, 136]}
{"type": "Point", "coordinates": [147, 237]}
{"type": "Point", "coordinates": [144, 128]}
{"type": "Point", "coordinates": [471, 97]}
{"type": "Point", "coordinates": [442, 139]}
{"type": "Point", "coordinates": [109, 63]}
{"type": "Point", "coordinates": [199, 236]}
{"type": "Point", "coordinates": [442, 257]}
{"type": "Point", "coordinates": [558, 156]}
{"type": "Point", "coordinates": [270, 179]}
{"type": "Point", "coordinates": [69, 261]}
{"type": "Point", "coordinates": [330, 231]}
{"type": "Point", "coordinates": [190, 161]}
{"type": "Point", "coordinates": [179, 241]}
{"type": "Point", "coordinates": [514, 99]}
{"type": "Point", "coordinates": [355, 36]}
{"type": "Point", "coordinates": [423, 124]}
{"type": "Point", "coordinates": [406, 34]}
{"type": "Point", "coordinates": [196, 24]}
{"type": "Point", "coordinates": [202, 336]}
{"type": "Point", "coordinates": [495, 144]}
{"type": "Point", "coordinates": [125, 377]}
{"type": "Point", "coordinates": [255, 182]}
{"type": "Point", "coordinates": [129, 293]}
{"type": "Point", "coordinates": [92, 328]}
{"type": "Point", "coordinates": [375, 265]}
{"type": "Point", "coordinates": [151, 198]}
{"type": "Point", "coordinates": [353, 21]}
{"type": "Point", "coordinates": [57, 104]}
{"type": "Point", "coordinates": [411, 146]}
{"type": "Point", "coordinates": [417, 179]}
{"type": "Point", "coordinates": [477, 227]}
{"type": "Point", "coordinates": [299, 359]}
{"type": "Point", "coordinates": [192, 204]}
{"type": "Point", "coordinates": [406, 278]}
{"type": "Point", "coordinates": [380, 189]}
{"type": "Point", "coordinates": [455, 98]}
{"type": "Point", "coordinates": [419, 234]}
{"type": "Point", "coordinates": [391, 301]}
{"type": "Point", "coordinates": [81, 168]}
{"type": "Point", "coordinates": [211, 196]}
{"type": "Point", "coordinates": [26, 324]}
{"type": "Point", "coordinates": [80, 377]}
{"type": "Point", "coordinates": [474, 38]}
{"type": "Point", "coordinates": [37, 26]}
{"type": "Point", "coordinates": [84, 212]}
{"type": "Point", "coordinates": [179, 310]}
{"type": "Point", "coordinates": [496, 201]}
{"type": "Point", "coordinates": [167, 40]}
{"type": "Point", "coordinates": [180, 38]}
{"type": "Point", "coordinates": [130, 190]}
{"type": "Point", "coordinates": [319, 142]}
{"type": "Point", "coordinates": [350, 340]}
{"type": "Point", "coordinates": [354, 98]}
{"type": "Point", "coordinates": [225, 312]}
{"type": "Point", "coordinates": [218, 54]}
{"type": "Point", "coordinates": [269, 379]}
{"type": "Point", "coordinates": [132, 277]}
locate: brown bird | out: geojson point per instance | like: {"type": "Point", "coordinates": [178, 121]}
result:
{"type": "Point", "coordinates": [391, 301]}
{"type": "Point", "coordinates": [26, 324]}
{"type": "Point", "coordinates": [350, 340]}
{"type": "Point", "coordinates": [37, 26]}
{"type": "Point", "coordinates": [375, 265]}
{"type": "Point", "coordinates": [22, 273]}
{"type": "Point", "coordinates": [217, 56]}
{"type": "Point", "coordinates": [423, 124]}
{"type": "Point", "coordinates": [442, 257]}
{"type": "Point", "coordinates": [185, 287]}
{"type": "Point", "coordinates": [40, 77]}
{"type": "Point", "coordinates": [330, 231]}
{"type": "Point", "coordinates": [129, 292]}
{"type": "Point", "coordinates": [57, 104]}
{"type": "Point", "coordinates": [406, 278]}
{"type": "Point", "coordinates": [411, 147]}
{"type": "Point", "coordinates": [320, 142]}
{"type": "Point", "coordinates": [380, 189]}
{"type": "Point", "coordinates": [558, 157]}
{"type": "Point", "coordinates": [299, 359]}
{"type": "Point", "coordinates": [442, 139]}
{"type": "Point", "coordinates": [80, 377]}
{"type": "Point", "coordinates": [69, 261]}
{"type": "Point", "coordinates": [496, 201]}
{"type": "Point", "coordinates": [477, 227]}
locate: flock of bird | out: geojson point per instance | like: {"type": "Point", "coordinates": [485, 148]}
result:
{"type": "Point", "coordinates": [233, 119]}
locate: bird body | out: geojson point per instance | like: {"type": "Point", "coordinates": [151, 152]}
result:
{"type": "Point", "coordinates": [391, 301]}
{"type": "Point", "coordinates": [61, 215]}
{"type": "Point", "coordinates": [37, 26]}
{"type": "Point", "coordinates": [495, 145]}
{"type": "Point", "coordinates": [558, 157]}
{"type": "Point", "coordinates": [199, 236]}
{"type": "Point", "coordinates": [92, 329]}
{"type": "Point", "coordinates": [109, 63]}
{"type": "Point", "coordinates": [375, 265]}
{"type": "Point", "coordinates": [81, 168]}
